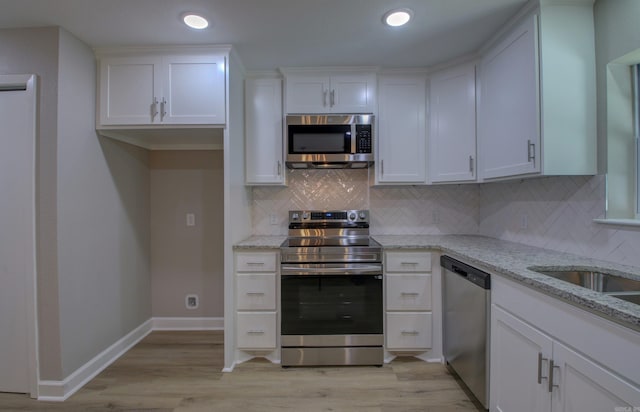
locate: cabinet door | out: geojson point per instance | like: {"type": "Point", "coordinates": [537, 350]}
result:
{"type": "Point", "coordinates": [193, 90]}
{"type": "Point", "coordinates": [585, 386]}
{"type": "Point", "coordinates": [452, 141]}
{"type": "Point", "coordinates": [352, 93]}
{"type": "Point", "coordinates": [401, 130]}
{"type": "Point", "coordinates": [263, 131]}
{"type": "Point", "coordinates": [515, 368]}
{"type": "Point", "coordinates": [130, 91]}
{"type": "Point", "coordinates": [509, 130]}
{"type": "Point", "coordinates": [307, 94]}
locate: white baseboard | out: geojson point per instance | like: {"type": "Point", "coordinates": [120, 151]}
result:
{"type": "Point", "coordinates": [58, 391]}
{"type": "Point", "coordinates": [188, 323]}
{"type": "Point", "coordinates": [61, 390]}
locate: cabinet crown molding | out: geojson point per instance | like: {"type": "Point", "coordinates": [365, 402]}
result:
{"type": "Point", "coordinates": [183, 49]}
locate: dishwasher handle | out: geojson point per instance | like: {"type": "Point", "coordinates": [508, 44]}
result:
{"type": "Point", "coordinates": [473, 275]}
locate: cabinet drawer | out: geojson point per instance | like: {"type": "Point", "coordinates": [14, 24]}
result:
{"type": "Point", "coordinates": [408, 331]}
{"type": "Point", "coordinates": [256, 330]}
{"type": "Point", "coordinates": [256, 262]}
{"type": "Point", "coordinates": [256, 292]}
{"type": "Point", "coordinates": [408, 262]}
{"type": "Point", "coordinates": [408, 292]}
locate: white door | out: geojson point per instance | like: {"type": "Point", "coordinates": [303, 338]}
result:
{"type": "Point", "coordinates": [17, 232]}
{"type": "Point", "coordinates": [352, 93]}
{"type": "Point", "coordinates": [519, 378]}
{"type": "Point", "coordinates": [307, 94]}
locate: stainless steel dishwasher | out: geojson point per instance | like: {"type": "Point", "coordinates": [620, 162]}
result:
{"type": "Point", "coordinates": [466, 301]}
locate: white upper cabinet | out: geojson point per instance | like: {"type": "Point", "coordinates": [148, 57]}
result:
{"type": "Point", "coordinates": [330, 93]}
{"type": "Point", "coordinates": [537, 111]}
{"type": "Point", "coordinates": [452, 138]}
{"type": "Point", "coordinates": [263, 131]}
{"type": "Point", "coordinates": [152, 88]}
{"type": "Point", "coordinates": [401, 154]}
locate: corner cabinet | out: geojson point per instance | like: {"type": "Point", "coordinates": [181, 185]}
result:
{"type": "Point", "coordinates": [568, 359]}
{"type": "Point", "coordinates": [143, 88]}
{"type": "Point", "coordinates": [452, 120]}
{"type": "Point", "coordinates": [315, 92]}
{"type": "Point", "coordinates": [263, 132]}
{"type": "Point", "coordinates": [409, 313]}
{"type": "Point", "coordinates": [537, 113]}
{"type": "Point", "coordinates": [401, 136]}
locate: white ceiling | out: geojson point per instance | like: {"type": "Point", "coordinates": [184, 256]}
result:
{"type": "Point", "coordinates": [280, 33]}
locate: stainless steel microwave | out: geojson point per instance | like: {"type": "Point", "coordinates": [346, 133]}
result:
{"type": "Point", "coordinates": [329, 141]}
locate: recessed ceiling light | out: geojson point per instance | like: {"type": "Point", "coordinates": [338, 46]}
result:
{"type": "Point", "coordinates": [195, 21]}
{"type": "Point", "coordinates": [398, 17]}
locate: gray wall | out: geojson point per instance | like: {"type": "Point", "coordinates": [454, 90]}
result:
{"type": "Point", "coordinates": [187, 259]}
{"type": "Point", "coordinates": [93, 207]}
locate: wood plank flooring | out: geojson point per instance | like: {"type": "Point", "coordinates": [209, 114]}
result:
{"type": "Point", "coordinates": [180, 371]}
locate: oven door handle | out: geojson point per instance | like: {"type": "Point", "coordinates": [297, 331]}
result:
{"type": "Point", "coordinates": [297, 270]}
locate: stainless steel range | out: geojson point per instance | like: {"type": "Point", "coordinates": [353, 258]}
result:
{"type": "Point", "coordinates": [331, 290]}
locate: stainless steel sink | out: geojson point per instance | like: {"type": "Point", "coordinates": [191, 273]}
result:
{"type": "Point", "coordinates": [612, 285]}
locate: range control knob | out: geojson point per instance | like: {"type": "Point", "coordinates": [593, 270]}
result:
{"type": "Point", "coordinates": [305, 215]}
{"type": "Point", "coordinates": [362, 215]}
{"type": "Point", "coordinates": [295, 216]}
{"type": "Point", "coordinates": [352, 216]}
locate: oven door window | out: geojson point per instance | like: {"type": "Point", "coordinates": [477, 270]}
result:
{"type": "Point", "coordinates": [332, 305]}
{"type": "Point", "coordinates": [319, 139]}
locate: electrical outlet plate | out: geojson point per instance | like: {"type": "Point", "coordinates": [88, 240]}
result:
{"type": "Point", "coordinates": [191, 301]}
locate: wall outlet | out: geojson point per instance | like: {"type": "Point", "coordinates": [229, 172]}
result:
{"type": "Point", "coordinates": [524, 221]}
{"type": "Point", "coordinates": [435, 217]}
{"type": "Point", "coordinates": [191, 301]}
{"type": "Point", "coordinates": [273, 219]}
{"type": "Point", "coordinates": [191, 219]}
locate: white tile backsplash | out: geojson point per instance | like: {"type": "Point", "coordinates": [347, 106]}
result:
{"type": "Point", "coordinates": [550, 212]}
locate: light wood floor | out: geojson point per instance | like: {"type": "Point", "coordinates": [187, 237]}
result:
{"type": "Point", "coordinates": [180, 371]}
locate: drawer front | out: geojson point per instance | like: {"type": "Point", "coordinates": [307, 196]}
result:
{"type": "Point", "coordinates": [256, 330]}
{"type": "Point", "coordinates": [408, 292]}
{"type": "Point", "coordinates": [256, 292]}
{"type": "Point", "coordinates": [408, 262]}
{"type": "Point", "coordinates": [408, 331]}
{"type": "Point", "coordinates": [256, 262]}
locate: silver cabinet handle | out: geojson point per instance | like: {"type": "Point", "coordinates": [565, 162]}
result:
{"type": "Point", "coordinates": [381, 167]}
{"type": "Point", "coordinates": [154, 108]}
{"type": "Point", "coordinates": [255, 263]}
{"type": "Point", "coordinates": [531, 151]}
{"type": "Point", "coordinates": [332, 98]}
{"type": "Point", "coordinates": [255, 332]}
{"type": "Point", "coordinates": [540, 359]}
{"type": "Point", "coordinates": [255, 293]}
{"type": "Point", "coordinates": [551, 368]}
{"type": "Point", "coordinates": [324, 98]}
{"type": "Point", "coordinates": [409, 294]}
{"type": "Point", "coordinates": [410, 332]}
{"type": "Point", "coordinates": [470, 164]}
{"type": "Point", "coordinates": [163, 109]}
{"type": "Point", "coordinates": [409, 263]}
{"type": "Point", "coordinates": [279, 168]}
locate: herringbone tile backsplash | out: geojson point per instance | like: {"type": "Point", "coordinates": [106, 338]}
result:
{"type": "Point", "coordinates": [552, 212]}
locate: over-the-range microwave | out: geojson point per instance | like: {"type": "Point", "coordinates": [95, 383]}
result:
{"type": "Point", "coordinates": [329, 141]}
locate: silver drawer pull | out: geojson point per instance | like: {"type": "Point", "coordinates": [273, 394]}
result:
{"type": "Point", "coordinates": [410, 294]}
{"type": "Point", "coordinates": [255, 332]}
{"type": "Point", "coordinates": [410, 332]}
{"type": "Point", "coordinates": [552, 366]}
{"type": "Point", "coordinates": [255, 263]}
{"type": "Point", "coordinates": [409, 263]}
{"type": "Point", "coordinates": [540, 359]}
{"type": "Point", "coordinates": [255, 293]}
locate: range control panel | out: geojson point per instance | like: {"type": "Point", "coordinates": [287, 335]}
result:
{"type": "Point", "coordinates": [323, 216]}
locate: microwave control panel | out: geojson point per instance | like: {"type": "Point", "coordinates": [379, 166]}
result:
{"type": "Point", "coordinates": [364, 141]}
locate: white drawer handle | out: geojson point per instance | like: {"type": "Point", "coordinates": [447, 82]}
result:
{"type": "Point", "coordinates": [255, 332]}
{"type": "Point", "coordinates": [255, 263]}
{"type": "Point", "coordinates": [410, 332]}
{"type": "Point", "coordinates": [255, 293]}
{"type": "Point", "coordinates": [410, 294]}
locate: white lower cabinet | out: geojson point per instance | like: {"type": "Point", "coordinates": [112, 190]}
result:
{"type": "Point", "coordinates": [256, 300]}
{"type": "Point", "coordinates": [536, 370]}
{"type": "Point", "coordinates": [408, 301]}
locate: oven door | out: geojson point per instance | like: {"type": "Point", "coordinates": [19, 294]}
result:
{"type": "Point", "coordinates": [326, 300]}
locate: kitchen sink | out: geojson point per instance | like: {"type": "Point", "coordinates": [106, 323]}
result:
{"type": "Point", "coordinates": [607, 283]}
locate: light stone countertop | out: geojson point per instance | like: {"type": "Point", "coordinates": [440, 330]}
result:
{"type": "Point", "coordinates": [511, 260]}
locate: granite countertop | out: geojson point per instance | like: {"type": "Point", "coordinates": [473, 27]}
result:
{"type": "Point", "coordinates": [511, 260]}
